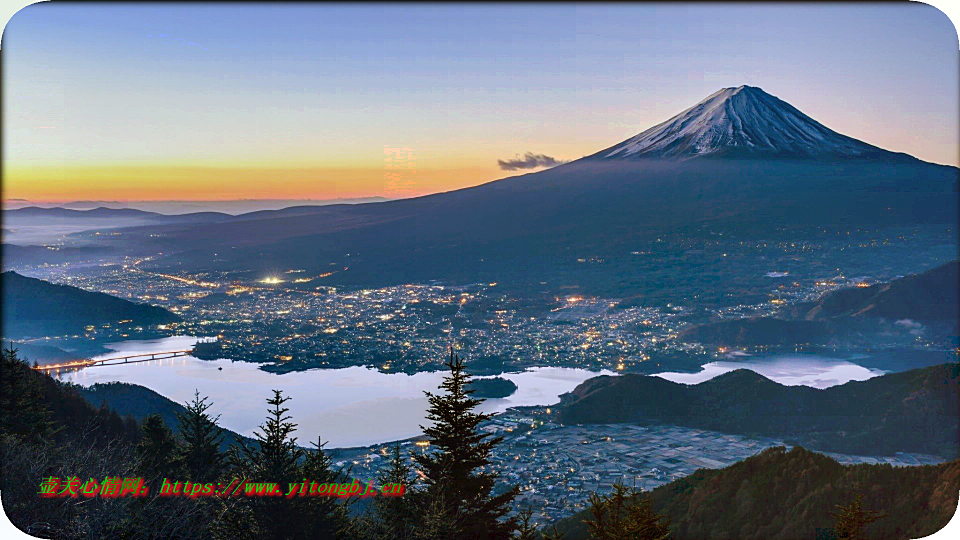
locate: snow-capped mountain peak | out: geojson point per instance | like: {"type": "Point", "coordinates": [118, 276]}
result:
{"type": "Point", "coordinates": [741, 121]}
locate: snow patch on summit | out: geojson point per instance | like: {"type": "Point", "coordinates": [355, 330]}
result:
{"type": "Point", "coordinates": [743, 120]}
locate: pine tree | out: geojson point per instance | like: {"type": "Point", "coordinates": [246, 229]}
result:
{"type": "Point", "coordinates": [202, 458]}
{"type": "Point", "coordinates": [159, 451]}
{"type": "Point", "coordinates": [23, 410]}
{"type": "Point", "coordinates": [526, 530]}
{"type": "Point", "coordinates": [395, 517]}
{"type": "Point", "coordinates": [275, 458]}
{"type": "Point", "coordinates": [324, 517]}
{"type": "Point", "coordinates": [553, 534]}
{"type": "Point", "coordinates": [453, 471]}
{"type": "Point", "coordinates": [276, 454]}
{"type": "Point", "coordinates": [852, 519]}
{"type": "Point", "coordinates": [625, 514]}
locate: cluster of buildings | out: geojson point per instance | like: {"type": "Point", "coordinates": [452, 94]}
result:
{"type": "Point", "coordinates": [557, 467]}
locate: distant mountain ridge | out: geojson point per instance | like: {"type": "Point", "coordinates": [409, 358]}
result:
{"type": "Point", "coordinates": [911, 411]}
{"type": "Point", "coordinates": [106, 212]}
{"type": "Point", "coordinates": [36, 308]}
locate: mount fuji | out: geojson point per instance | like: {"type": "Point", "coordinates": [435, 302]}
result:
{"type": "Point", "coordinates": [745, 122]}
{"type": "Point", "coordinates": [741, 160]}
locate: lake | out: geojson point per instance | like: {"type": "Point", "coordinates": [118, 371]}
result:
{"type": "Point", "coordinates": [359, 406]}
{"type": "Point", "coordinates": [352, 406]}
{"type": "Point", "coordinates": [788, 369]}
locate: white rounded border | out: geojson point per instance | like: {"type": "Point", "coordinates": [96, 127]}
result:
{"type": "Point", "coordinates": [950, 8]}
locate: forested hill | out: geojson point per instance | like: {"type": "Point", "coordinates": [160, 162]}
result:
{"type": "Point", "coordinates": [911, 411]}
{"type": "Point", "coordinates": [931, 298]}
{"type": "Point", "coordinates": [933, 295]}
{"type": "Point", "coordinates": [139, 402]}
{"type": "Point", "coordinates": [36, 308]}
{"type": "Point", "coordinates": [789, 495]}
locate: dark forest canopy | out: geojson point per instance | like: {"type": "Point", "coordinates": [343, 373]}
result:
{"type": "Point", "coordinates": [786, 495]}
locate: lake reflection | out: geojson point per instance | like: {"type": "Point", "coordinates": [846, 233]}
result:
{"type": "Point", "coordinates": [352, 406]}
{"type": "Point", "coordinates": [790, 370]}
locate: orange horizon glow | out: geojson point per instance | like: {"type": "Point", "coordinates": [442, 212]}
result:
{"type": "Point", "coordinates": [51, 184]}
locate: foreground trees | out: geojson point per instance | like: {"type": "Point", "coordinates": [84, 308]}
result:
{"type": "Point", "coordinates": [201, 455]}
{"type": "Point", "coordinates": [394, 517]}
{"type": "Point", "coordinates": [47, 430]}
{"type": "Point", "coordinates": [459, 499]}
{"type": "Point", "coordinates": [276, 456]}
{"type": "Point", "coordinates": [852, 519]}
{"type": "Point", "coordinates": [625, 514]}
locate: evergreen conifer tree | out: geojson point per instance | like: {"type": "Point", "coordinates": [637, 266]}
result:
{"type": "Point", "coordinates": [395, 517]}
{"type": "Point", "coordinates": [852, 519]}
{"type": "Point", "coordinates": [525, 529]}
{"type": "Point", "coordinates": [23, 410]}
{"type": "Point", "coordinates": [325, 517]}
{"type": "Point", "coordinates": [625, 514]}
{"type": "Point", "coordinates": [274, 458]}
{"type": "Point", "coordinates": [456, 482]}
{"type": "Point", "coordinates": [159, 450]}
{"type": "Point", "coordinates": [202, 437]}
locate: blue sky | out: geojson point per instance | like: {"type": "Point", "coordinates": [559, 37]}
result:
{"type": "Point", "coordinates": [146, 91]}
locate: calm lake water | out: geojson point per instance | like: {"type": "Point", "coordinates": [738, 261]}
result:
{"type": "Point", "coordinates": [787, 369]}
{"type": "Point", "coordinates": [358, 406]}
{"type": "Point", "coordinates": [347, 407]}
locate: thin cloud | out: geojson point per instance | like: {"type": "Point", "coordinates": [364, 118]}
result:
{"type": "Point", "coordinates": [529, 161]}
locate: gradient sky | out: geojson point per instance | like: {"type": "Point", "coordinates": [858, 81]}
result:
{"type": "Point", "coordinates": [219, 101]}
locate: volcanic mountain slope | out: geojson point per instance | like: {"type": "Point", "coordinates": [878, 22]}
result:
{"type": "Point", "coordinates": [746, 160]}
{"type": "Point", "coordinates": [744, 121]}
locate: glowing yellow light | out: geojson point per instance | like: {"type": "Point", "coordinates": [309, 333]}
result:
{"type": "Point", "coordinates": [271, 280]}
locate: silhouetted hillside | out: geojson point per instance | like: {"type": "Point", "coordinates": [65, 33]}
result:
{"type": "Point", "coordinates": [33, 308]}
{"type": "Point", "coordinates": [139, 402]}
{"type": "Point", "coordinates": [931, 298]}
{"type": "Point", "coordinates": [911, 411]}
{"type": "Point", "coordinates": [780, 495]}
{"type": "Point", "coordinates": [43, 354]}
{"type": "Point", "coordinates": [933, 295]}
{"type": "Point", "coordinates": [70, 413]}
